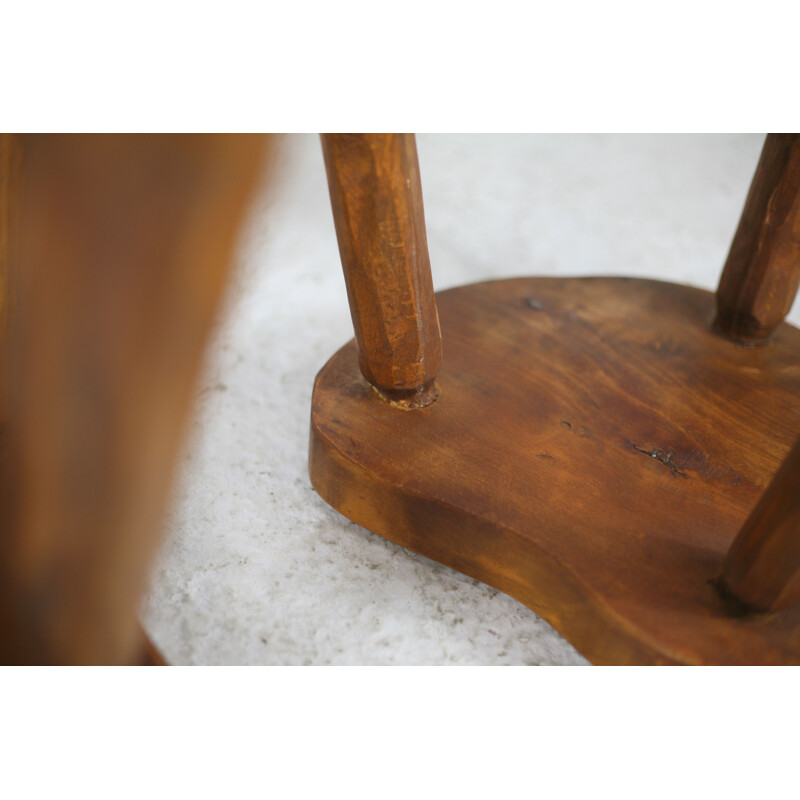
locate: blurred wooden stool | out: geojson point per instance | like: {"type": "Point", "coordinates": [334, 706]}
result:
{"type": "Point", "coordinates": [620, 455]}
{"type": "Point", "coordinates": [114, 251]}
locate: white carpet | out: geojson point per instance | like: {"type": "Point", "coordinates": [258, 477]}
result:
{"type": "Point", "coordinates": [256, 568]}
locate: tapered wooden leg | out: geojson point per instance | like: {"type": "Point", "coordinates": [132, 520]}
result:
{"type": "Point", "coordinates": [116, 251]}
{"type": "Point", "coordinates": [762, 272]}
{"type": "Point", "coordinates": [377, 207]}
{"type": "Point", "coordinates": [762, 567]}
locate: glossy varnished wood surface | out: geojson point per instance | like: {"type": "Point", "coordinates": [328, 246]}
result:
{"type": "Point", "coordinates": [594, 451]}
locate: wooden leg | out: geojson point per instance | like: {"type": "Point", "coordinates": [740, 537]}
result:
{"type": "Point", "coordinates": [762, 273]}
{"type": "Point", "coordinates": [377, 207]}
{"type": "Point", "coordinates": [115, 251]}
{"type": "Point", "coordinates": [762, 567]}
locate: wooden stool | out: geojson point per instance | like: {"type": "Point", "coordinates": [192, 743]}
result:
{"type": "Point", "coordinates": [114, 251]}
{"type": "Point", "coordinates": [617, 454]}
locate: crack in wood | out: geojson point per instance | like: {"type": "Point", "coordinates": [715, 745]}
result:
{"type": "Point", "coordinates": [664, 458]}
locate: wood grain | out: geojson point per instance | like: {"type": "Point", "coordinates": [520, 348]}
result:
{"type": "Point", "coordinates": [762, 273]}
{"type": "Point", "coordinates": [594, 451]}
{"type": "Point", "coordinates": [763, 566]}
{"type": "Point", "coordinates": [377, 208]}
{"type": "Point", "coordinates": [119, 248]}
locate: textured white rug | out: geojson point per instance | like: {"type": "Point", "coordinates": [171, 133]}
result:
{"type": "Point", "coordinates": [256, 568]}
